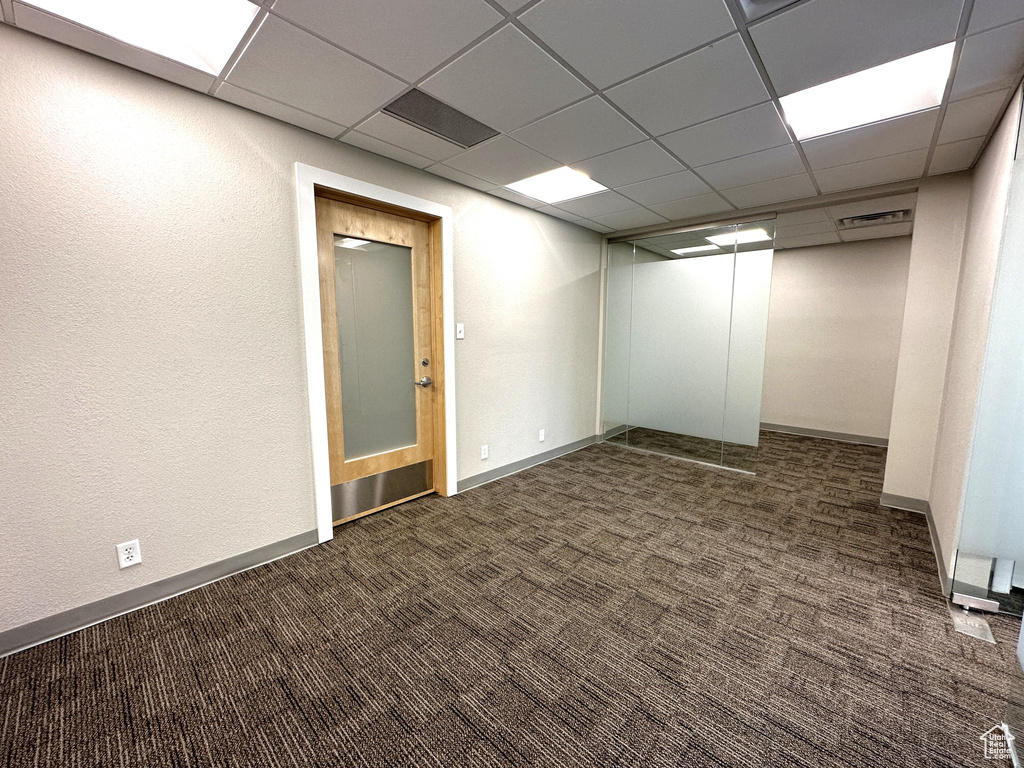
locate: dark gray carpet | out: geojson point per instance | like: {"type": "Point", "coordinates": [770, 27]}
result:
{"type": "Point", "coordinates": [606, 608]}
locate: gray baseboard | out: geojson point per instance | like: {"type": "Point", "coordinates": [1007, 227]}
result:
{"type": "Point", "coordinates": [519, 466]}
{"type": "Point", "coordinates": [841, 437]}
{"type": "Point", "coordinates": [58, 625]}
{"type": "Point", "coordinates": [924, 508]}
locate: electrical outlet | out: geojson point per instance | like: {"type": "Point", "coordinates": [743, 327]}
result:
{"type": "Point", "coordinates": [460, 331]}
{"type": "Point", "coordinates": [542, 435]}
{"type": "Point", "coordinates": [483, 451]}
{"type": "Point", "coordinates": [129, 553]}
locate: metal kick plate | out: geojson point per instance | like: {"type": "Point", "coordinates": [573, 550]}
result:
{"type": "Point", "coordinates": [379, 490]}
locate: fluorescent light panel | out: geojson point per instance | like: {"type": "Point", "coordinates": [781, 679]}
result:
{"type": "Point", "coordinates": [907, 85]}
{"type": "Point", "coordinates": [739, 238]}
{"type": "Point", "coordinates": [198, 33]}
{"type": "Point", "coordinates": [555, 186]}
{"type": "Point", "coordinates": [694, 249]}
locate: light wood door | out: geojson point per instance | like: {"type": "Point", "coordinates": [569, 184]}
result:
{"type": "Point", "coordinates": [380, 373]}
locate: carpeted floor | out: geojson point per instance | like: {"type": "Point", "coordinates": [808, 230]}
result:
{"type": "Point", "coordinates": [606, 608]}
{"type": "Point", "coordinates": [732, 455]}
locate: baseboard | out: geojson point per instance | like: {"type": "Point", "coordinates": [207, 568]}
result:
{"type": "Point", "coordinates": [519, 466]}
{"type": "Point", "coordinates": [58, 625]}
{"type": "Point", "coordinates": [923, 507]}
{"type": "Point", "coordinates": [842, 437]}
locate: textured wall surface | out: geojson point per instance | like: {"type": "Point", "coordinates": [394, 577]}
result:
{"type": "Point", "coordinates": [151, 327]}
{"type": "Point", "coordinates": [834, 336]}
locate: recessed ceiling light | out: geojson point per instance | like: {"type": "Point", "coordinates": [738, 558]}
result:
{"type": "Point", "coordinates": [695, 249]}
{"type": "Point", "coordinates": [349, 242]}
{"type": "Point", "coordinates": [198, 33]}
{"type": "Point", "coordinates": [739, 238]}
{"type": "Point", "coordinates": [555, 186]}
{"type": "Point", "coordinates": [900, 87]}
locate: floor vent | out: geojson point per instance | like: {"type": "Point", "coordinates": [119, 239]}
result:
{"type": "Point", "coordinates": [872, 219]}
{"type": "Point", "coordinates": [429, 114]}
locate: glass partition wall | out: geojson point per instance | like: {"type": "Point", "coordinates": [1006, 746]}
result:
{"type": "Point", "coordinates": [686, 315]}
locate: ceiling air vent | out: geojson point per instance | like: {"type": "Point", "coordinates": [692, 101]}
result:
{"type": "Point", "coordinates": [873, 219]}
{"type": "Point", "coordinates": [426, 112]}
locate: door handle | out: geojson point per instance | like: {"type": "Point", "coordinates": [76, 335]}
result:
{"type": "Point", "coordinates": [424, 382]}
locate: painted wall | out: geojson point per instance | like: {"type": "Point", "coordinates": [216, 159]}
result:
{"type": "Point", "coordinates": [151, 331]}
{"type": "Point", "coordinates": [985, 221]}
{"type": "Point", "coordinates": [935, 254]}
{"type": "Point", "coordinates": [834, 336]}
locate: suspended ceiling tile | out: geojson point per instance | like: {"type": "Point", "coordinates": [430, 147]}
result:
{"type": "Point", "coordinates": [877, 232]}
{"type": "Point", "coordinates": [412, 38]}
{"type": "Point", "coordinates": [288, 65]}
{"type": "Point", "coordinates": [868, 173]}
{"type": "Point", "coordinates": [33, 20]}
{"type": "Point", "coordinates": [637, 217]}
{"type": "Point", "coordinates": [283, 112]}
{"type": "Point", "coordinates": [515, 197]}
{"type": "Point", "coordinates": [874, 205]}
{"type": "Point", "coordinates": [955, 156]}
{"type": "Point", "coordinates": [799, 230]}
{"type": "Point", "coordinates": [501, 160]}
{"type": "Point", "coordinates": [891, 137]}
{"type": "Point", "coordinates": [558, 213]}
{"type": "Point", "coordinates": [593, 225]}
{"type": "Point", "coordinates": [462, 178]}
{"type": "Point", "coordinates": [692, 207]}
{"type": "Point", "coordinates": [807, 241]}
{"type": "Point", "coordinates": [600, 204]}
{"type": "Point", "coordinates": [971, 117]}
{"type": "Point", "coordinates": [703, 85]}
{"type": "Point", "coordinates": [609, 40]}
{"type": "Point", "coordinates": [767, 164]}
{"type": "Point", "coordinates": [378, 147]}
{"type": "Point", "coordinates": [630, 164]}
{"type": "Point", "coordinates": [796, 218]}
{"type": "Point", "coordinates": [822, 40]}
{"type": "Point", "coordinates": [505, 82]}
{"type": "Point", "coordinates": [585, 129]}
{"type": "Point", "coordinates": [512, 5]}
{"type": "Point", "coordinates": [740, 133]}
{"type": "Point", "coordinates": [993, 13]}
{"type": "Point", "coordinates": [772, 191]}
{"type": "Point", "coordinates": [990, 61]}
{"type": "Point", "coordinates": [664, 188]}
{"type": "Point", "coordinates": [394, 131]}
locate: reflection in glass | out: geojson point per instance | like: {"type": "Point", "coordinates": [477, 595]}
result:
{"type": "Point", "coordinates": [373, 286]}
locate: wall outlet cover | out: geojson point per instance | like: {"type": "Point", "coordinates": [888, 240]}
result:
{"type": "Point", "coordinates": [483, 451]}
{"type": "Point", "coordinates": [129, 553]}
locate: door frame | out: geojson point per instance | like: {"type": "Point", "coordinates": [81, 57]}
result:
{"type": "Point", "coordinates": [307, 178]}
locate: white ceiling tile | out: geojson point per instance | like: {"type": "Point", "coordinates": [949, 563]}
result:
{"type": "Point", "coordinates": [971, 117]}
{"type": "Point", "coordinates": [594, 226]}
{"type": "Point", "coordinates": [874, 205]}
{"type": "Point", "coordinates": [505, 82]}
{"type": "Point", "coordinates": [637, 217]}
{"type": "Point", "coordinates": [877, 232]}
{"type": "Point", "coordinates": [891, 137]}
{"type": "Point", "coordinates": [868, 173]}
{"type": "Point", "coordinates": [33, 20]}
{"type": "Point", "coordinates": [821, 40]}
{"type": "Point", "coordinates": [795, 218]}
{"type": "Point", "coordinates": [799, 230]}
{"type": "Point", "coordinates": [515, 197]}
{"type": "Point", "coordinates": [691, 207]}
{"type": "Point", "coordinates": [993, 13]}
{"type": "Point", "coordinates": [705, 84]}
{"type": "Point", "coordinates": [462, 178]}
{"type": "Point", "coordinates": [609, 40]}
{"type": "Point", "coordinates": [501, 160]}
{"type": "Point", "coordinates": [283, 112]}
{"type": "Point", "coordinates": [585, 129]}
{"type": "Point", "coordinates": [408, 37]}
{"type": "Point", "coordinates": [512, 5]}
{"type": "Point", "coordinates": [740, 133]}
{"type": "Point", "coordinates": [773, 191]}
{"type": "Point", "coordinates": [288, 65]}
{"type": "Point", "coordinates": [394, 131]}
{"type": "Point", "coordinates": [806, 241]}
{"type": "Point", "coordinates": [955, 156]}
{"type": "Point", "coordinates": [598, 205]}
{"type": "Point", "coordinates": [378, 147]}
{"type": "Point", "coordinates": [631, 164]}
{"type": "Point", "coordinates": [675, 186]}
{"type": "Point", "coordinates": [551, 210]}
{"type": "Point", "coordinates": [760, 166]}
{"type": "Point", "coordinates": [989, 61]}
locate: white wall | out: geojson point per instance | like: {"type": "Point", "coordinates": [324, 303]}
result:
{"type": "Point", "coordinates": [834, 336]}
{"type": "Point", "coordinates": [970, 329]}
{"type": "Point", "coordinates": [935, 254]}
{"type": "Point", "coordinates": [151, 331]}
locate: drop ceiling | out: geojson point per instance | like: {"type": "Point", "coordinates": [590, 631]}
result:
{"type": "Point", "coordinates": [672, 105]}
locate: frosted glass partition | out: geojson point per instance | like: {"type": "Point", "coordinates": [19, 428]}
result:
{"type": "Point", "coordinates": [685, 326]}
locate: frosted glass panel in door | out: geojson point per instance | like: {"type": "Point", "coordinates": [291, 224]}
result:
{"type": "Point", "coordinates": [373, 285]}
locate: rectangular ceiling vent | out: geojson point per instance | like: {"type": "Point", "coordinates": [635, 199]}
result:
{"type": "Point", "coordinates": [873, 219]}
{"type": "Point", "coordinates": [436, 117]}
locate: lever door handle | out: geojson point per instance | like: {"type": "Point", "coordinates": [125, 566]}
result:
{"type": "Point", "coordinates": [424, 382]}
